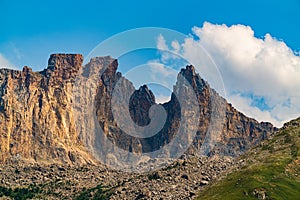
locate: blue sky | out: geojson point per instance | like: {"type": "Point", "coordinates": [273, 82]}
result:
{"type": "Point", "coordinates": [31, 30]}
{"type": "Point", "coordinates": [255, 43]}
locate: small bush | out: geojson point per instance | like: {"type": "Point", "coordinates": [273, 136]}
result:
{"type": "Point", "coordinates": [96, 193]}
{"type": "Point", "coordinates": [154, 176]}
{"type": "Point", "coordinates": [19, 193]}
{"type": "Point", "coordinates": [287, 138]}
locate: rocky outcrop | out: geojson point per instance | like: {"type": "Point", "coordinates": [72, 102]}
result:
{"type": "Point", "coordinates": [240, 133]}
{"type": "Point", "coordinates": [36, 120]}
{"type": "Point", "coordinates": [140, 104]}
{"type": "Point", "coordinates": [40, 114]}
{"type": "Point", "coordinates": [219, 128]}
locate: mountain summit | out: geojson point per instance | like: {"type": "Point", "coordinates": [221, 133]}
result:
{"type": "Point", "coordinates": [37, 120]}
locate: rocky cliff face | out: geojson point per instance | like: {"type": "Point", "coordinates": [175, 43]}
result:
{"type": "Point", "coordinates": [38, 120]}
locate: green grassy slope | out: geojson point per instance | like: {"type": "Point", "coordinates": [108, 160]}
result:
{"type": "Point", "coordinates": [272, 170]}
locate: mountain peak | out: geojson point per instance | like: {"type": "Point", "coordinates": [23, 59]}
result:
{"type": "Point", "coordinates": [193, 78]}
{"type": "Point", "coordinates": [189, 70]}
{"type": "Point", "coordinates": [48, 105]}
{"type": "Point", "coordinates": [64, 61]}
{"type": "Point", "coordinates": [27, 69]}
{"type": "Point", "coordinates": [143, 88]}
{"type": "Point", "coordinates": [63, 66]}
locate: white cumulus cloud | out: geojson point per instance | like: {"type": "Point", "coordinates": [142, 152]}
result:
{"type": "Point", "coordinates": [162, 98]}
{"type": "Point", "coordinates": [251, 68]}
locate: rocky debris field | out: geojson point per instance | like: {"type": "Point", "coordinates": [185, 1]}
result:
{"type": "Point", "coordinates": [183, 179]}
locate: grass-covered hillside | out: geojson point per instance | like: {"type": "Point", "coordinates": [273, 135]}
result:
{"type": "Point", "coordinates": [272, 170]}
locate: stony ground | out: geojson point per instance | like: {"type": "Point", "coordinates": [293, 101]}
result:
{"type": "Point", "coordinates": [181, 180]}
